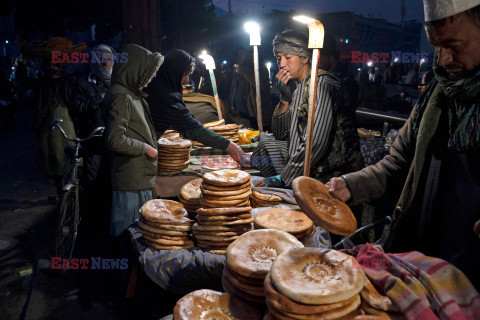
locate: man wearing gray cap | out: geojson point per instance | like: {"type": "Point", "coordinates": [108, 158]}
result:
{"type": "Point", "coordinates": [435, 161]}
{"type": "Point", "coordinates": [335, 141]}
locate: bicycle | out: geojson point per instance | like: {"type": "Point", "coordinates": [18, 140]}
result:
{"type": "Point", "coordinates": [69, 205]}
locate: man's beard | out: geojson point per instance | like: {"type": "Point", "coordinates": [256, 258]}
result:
{"type": "Point", "coordinates": [462, 74]}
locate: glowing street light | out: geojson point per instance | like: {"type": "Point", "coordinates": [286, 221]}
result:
{"type": "Point", "coordinates": [269, 66]}
{"type": "Point", "coordinates": [254, 30]}
{"type": "Point", "coordinates": [316, 34]}
{"type": "Point", "coordinates": [369, 63]}
{"type": "Point", "coordinates": [395, 60]}
{"type": "Point", "coordinates": [210, 66]}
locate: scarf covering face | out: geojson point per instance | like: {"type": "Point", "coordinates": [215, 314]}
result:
{"type": "Point", "coordinates": [101, 75]}
{"type": "Point", "coordinates": [290, 45]}
{"type": "Point", "coordinates": [464, 108]}
{"type": "Point", "coordinates": [463, 97]}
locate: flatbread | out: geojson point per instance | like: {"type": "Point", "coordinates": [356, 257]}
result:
{"type": "Point", "coordinates": [173, 143]}
{"type": "Point", "coordinates": [165, 211]}
{"type": "Point", "coordinates": [215, 238]}
{"type": "Point", "coordinates": [327, 315]}
{"type": "Point", "coordinates": [208, 305]}
{"type": "Point", "coordinates": [162, 231]}
{"type": "Point", "coordinates": [160, 236]}
{"type": "Point", "coordinates": [316, 276]}
{"type": "Point", "coordinates": [164, 247]}
{"type": "Point", "coordinates": [214, 123]}
{"type": "Point", "coordinates": [226, 177]}
{"type": "Point", "coordinates": [254, 290]}
{"type": "Point", "coordinates": [223, 211]}
{"type": "Point", "coordinates": [201, 218]}
{"type": "Point", "coordinates": [166, 242]}
{"type": "Point", "coordinates": [165, 226]}
{"type": "Point", "coordinates": [287, 220]}
{"type": "Point", "coordinates": [191, 191]}
{"type": "Point", "coordinates": [228, 223]}
{"type": "Point", "coordinates": [251, 255]}
{"type": "Point", "coordinates": [207, 192]}
{"type": "Point", "coordinates": [211, 187]}
{"type": "Point", "coordinates": [326, 211]}
{"type": "Point", "coordinates": [241, 196]}
{"type": "Point", "coordinates": [228, 287]}
{"type": "Point", "coordinates": [220, 203]}
{"type": "Point", "coordinates": [265, 197]}
{"type": "Point", "coordinates": [284, 304]}
{"type": "Point", "coordinates": [202, 227]}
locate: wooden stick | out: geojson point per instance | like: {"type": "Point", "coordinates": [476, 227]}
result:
{"type": "Point", "coordinates": [312, 99]}
{"type": "Point", "coordinates": [257, 87]}
{"type": "Point", "coordinates": [215, 94]}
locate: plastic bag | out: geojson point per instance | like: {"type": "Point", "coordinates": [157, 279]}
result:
{"type": "Point", "coordinates": [245, 136]}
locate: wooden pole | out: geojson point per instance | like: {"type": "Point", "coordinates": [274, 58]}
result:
{"type": "Point", "coordinates": [312, 99]}
{"type": "Point", "coordinates": [315, 41]}
{"type": "Point", "coordinates": [215, 94]}
{"type": "Point", "coordinates": [257, 87]}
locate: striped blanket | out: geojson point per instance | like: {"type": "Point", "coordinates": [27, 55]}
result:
{"type": "Point", "coordinates": [421, 287]}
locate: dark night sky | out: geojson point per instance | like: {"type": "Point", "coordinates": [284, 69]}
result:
{"type": "Point", "coordinates": [386, 9]}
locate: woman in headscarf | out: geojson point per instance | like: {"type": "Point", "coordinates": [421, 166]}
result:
{"type": "Point", "coordinates": [130, 136]}
{"type": "Point", "coordinates": [168, 108]}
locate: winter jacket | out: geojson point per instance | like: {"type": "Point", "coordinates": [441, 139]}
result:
{"type": "Point", "coordinates": [129, 125]}
{"type": "Point", "coordinates": [406, 165]}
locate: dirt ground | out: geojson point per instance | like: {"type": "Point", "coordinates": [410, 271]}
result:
{"type": "Point", "coordinates": [27, 223]}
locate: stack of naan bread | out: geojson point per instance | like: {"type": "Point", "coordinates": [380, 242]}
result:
{"type": "Point", "coordinates": [164, 224]}
{"type": "Point", "coordinates": [248, 260]}
{"type": "Point", "coordinates": [225, 213]}
{"type": "Point", "coordinates": [314, 283]}
{"type": "Point", "coordinates": [173, 154]}
{"type": "Point", "coordinates": [209, 305]}
{"type": "Point", "coordinates": [190, 196]}
{"type": "Point", "coordinates": [259, 199]}
{"type": "Point", "coordinates": [217, 228]}
{"type": "Point", "coordinates": [294, 222]}
{"type": "Point", "coordinates": [225, 188]}
{"type": "Point", "coordinates": [229, 131]}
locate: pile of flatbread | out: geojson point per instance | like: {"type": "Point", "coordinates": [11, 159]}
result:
{"type": "Point", "coordinates": [248, 260]}
{"type": "Point", "coordinates": [190, 196]}
{"type": "Point", "coordinates": [294, 222]}
{"type": "Point", "coordinates": [173, 154]}
{"type": "Point", "coordinates": [313, 283]}
{"type": "Point", "coordinates": [164, 224]}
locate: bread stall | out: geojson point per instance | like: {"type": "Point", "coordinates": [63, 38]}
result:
{"type": "Point", "coordinates": [176, 167]}
{"type": "Point", "coordinates": [261, 260]}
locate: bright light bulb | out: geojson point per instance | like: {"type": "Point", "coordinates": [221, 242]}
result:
{"type": "Point", "coordinates": [304, 19]}
{"type": "Point", "coordinates": [269, 65]}
{"type": "Point", "coordinates": [369, 63]}
{"type": "Point", "coordinates": [252, 27]}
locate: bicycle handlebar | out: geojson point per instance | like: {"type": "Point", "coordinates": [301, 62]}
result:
{"type": "Point", "coordinates": [97, 132]}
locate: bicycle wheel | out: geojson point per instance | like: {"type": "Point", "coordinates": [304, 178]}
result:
{"type": "Point", "coordinates": [66, 233]}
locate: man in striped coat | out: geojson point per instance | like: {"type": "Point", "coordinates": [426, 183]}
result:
{"type": "Point", "coordinates": [335, 141]}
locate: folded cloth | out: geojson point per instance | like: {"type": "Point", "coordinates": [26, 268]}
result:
{"type": "Point", "coordinates": [421, 287]}
{"type": "Point", "coordinates": [285, 194]}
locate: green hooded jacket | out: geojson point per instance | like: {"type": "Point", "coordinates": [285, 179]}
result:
{"type": "Point", "coordinates": [129, 125]}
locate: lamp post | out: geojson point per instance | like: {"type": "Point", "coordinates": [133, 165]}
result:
{"type": "Point", "coordinates": [254, 30]}
{"type": "Point", "coordinates": [269, 66]}
{"type": "Point", "coordinates": [210, 66]}
{"type": "Point", "coordinates": [316, 34]}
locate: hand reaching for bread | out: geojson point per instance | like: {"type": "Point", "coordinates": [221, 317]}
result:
{"type": "Point", "coordinates": [338, 188]}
